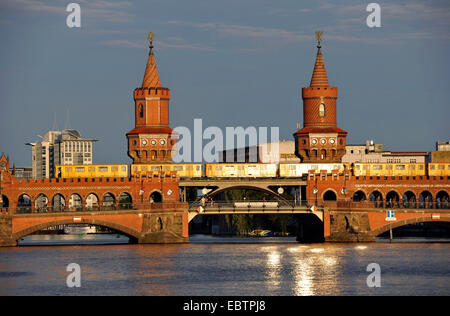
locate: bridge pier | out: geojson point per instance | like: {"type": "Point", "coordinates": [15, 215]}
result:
{"type": "Point", "coordinates": [346, 226]}
{"type": "Point", "coordinates": [6, 239]}
{"type": "Point", "coordinates": [165, 228]}
{"type": "Point", "coordinates": [310, 228]}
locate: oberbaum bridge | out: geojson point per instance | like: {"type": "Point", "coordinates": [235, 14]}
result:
{"type": "Point", "coordinates": [342, 220]}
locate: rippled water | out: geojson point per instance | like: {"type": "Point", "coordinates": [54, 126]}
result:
{"type": "Point", "coordinates": [225, 266]}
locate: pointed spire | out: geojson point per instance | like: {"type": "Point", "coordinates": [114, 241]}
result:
{"type": "Point", "coordinates": [151, 76]}
{"type": "Point", "coordinates": [319, 76]}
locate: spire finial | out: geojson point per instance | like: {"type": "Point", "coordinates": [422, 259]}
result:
{"type": "Point", "coordinates": [319, 35]}
{"type": "Point", "coordinates": [150, 41]}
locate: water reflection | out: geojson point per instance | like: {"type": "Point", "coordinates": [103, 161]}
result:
{"type": "Point", "coordinates": [218, 268]}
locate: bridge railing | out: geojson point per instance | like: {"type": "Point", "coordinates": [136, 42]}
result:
{"type": "Point", "coordinates": [247, 204]}
{"type": "Point", "coordinates": [114, 207]}
{"type": "Point", "coordinates": [389, 204]}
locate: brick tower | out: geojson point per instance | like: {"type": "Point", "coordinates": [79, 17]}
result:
{"type": "Point", "coordinates": [151, 141]}
{"type": "Point", "coordinates": [320, 140]}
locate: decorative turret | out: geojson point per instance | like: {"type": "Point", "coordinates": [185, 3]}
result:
{"type": "Point", "coordinates": [320, 140]}
{"type": "Point", "coordinates": [151, 140]}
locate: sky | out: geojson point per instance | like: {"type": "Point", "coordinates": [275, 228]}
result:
{"type": "Point", "coordinates": [230, 63]}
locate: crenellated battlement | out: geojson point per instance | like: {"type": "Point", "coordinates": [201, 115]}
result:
{"type": "Point", "coordinates": [140, 93]}
{"type": "Point", "coordinates": [317, 92]}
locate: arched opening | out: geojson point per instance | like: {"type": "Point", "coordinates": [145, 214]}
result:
{"type": "Point", "coordinates": [392, 199]}
{"type": "Point", "coordinates": [415, 227]}
{"type": "Point", "coordinates": [442, 200]}
{"type": "Point", "coordinates": [92, 202]}
{"type": "Point", "coordinates": [323, 154]}
{"type": "Point", "coordinates": [154, 155]}
{"type": "Point", "coordinates": [109, 233]}
{"type": "Point", "coordinates": [377, 198]}
{"type": "Point", "coordinates": [359, 196]}
{"type": "Point", "coordinates": [125, 201]}
{"type": "Point", "coordinates": [329, 196]}
{"type": "Point", "coordinates": [75, 202]}
{"type": "Point", "coordinates": [155, 197]}
{"type": "Point", "coordinates": [108, 202]}
{"type": "Point", "coordinates": [409, 200]}
{"type": "Point", "coordinates": [41, 202]}
{"type": "Point", "coordinates": [425, 200]}
{"type": "Point", "coordinates": [58, 203]}
{"type": "Point", "coordinates": [4, 202]}
{"type": "Point", "coordinates": [24, 204]}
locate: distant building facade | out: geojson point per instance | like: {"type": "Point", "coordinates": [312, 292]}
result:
{"type": "Point", "coordinates": [442, 153]}
{"type": "Point", "coordinates": [65, 147]}
{"type": "Point", "coordinates": [374, 153]}
{"type": "Point", "coordinates": [282, 152]}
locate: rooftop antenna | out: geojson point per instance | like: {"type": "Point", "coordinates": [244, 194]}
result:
{"type": "Point", "coordinates": [55, 124]}
{"type": "Point", "coordinates": [67, 126]}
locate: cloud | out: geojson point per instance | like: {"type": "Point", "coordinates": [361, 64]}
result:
{"type": "Point", "coordinates": [176, 43]}
{"type": "Point", "coordinates": [93, 10]}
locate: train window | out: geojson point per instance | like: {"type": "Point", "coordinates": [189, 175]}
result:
{"type": "Point", "coordinates": [124, 168]}
{"type": "Point", "coordinates": [156, 168]}
{"type": "Point", "coordinates": [144, 168]}
{"type": "Point", "coordinates": [448, 167]}
{"type": "Point", "coordinates": [441, 167]}
{"type": "Point", "coordinates": [431, 167]}
{"type": "Point", "coordinates": [198, 168]}
{"type": "Point", "coordinates": [135, 168]}
{"type": "Point", "coordinates": [400, 167]}
{"type": "Point", "coordinates": [178, 168]}
{"type": "Point", "coordinates": [378, 167]}
{"type": "Point", "coordinates": [103, 169]}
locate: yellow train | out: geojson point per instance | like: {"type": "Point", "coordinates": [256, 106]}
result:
{"type": "Point", "coordinates": [300, 169]}
{"type": "Point", "coordinates": [182, 170]}
{"type": "Point", "coordinates": [237, 170]}
{"type": "Point", "coordinates": [389, 169]}
{"type": "Point", "coordinates": [439, 169]}
{"type": "Point", "coordinates": [91, 171]}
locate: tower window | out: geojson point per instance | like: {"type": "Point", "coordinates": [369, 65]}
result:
{"type": "Point", "coordinates": [321, 110]}
{"type": "Point", "coordinates": [141, 111]}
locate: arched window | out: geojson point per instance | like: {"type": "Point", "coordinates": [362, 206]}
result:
{"type": "Point", "coordinates": [141, 111]}
{"type": "Point", "coordinates": [321, 110]}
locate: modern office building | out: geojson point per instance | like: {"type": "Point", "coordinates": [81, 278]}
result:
{"type": "Point", "coordinates": [65, 147]}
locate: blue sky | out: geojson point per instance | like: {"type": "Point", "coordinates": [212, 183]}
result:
{"type": "Point", "coordinates": [231, 63]}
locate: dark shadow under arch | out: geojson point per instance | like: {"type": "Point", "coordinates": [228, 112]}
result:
{"type": "Point", "coordinates": [427, 219]}
{"type": "Point", "coordinates": [131, 233]}
{"type": "Point", "coordinates": [247, 187]}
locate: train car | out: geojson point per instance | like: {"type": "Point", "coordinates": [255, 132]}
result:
{"type": "Point", "coordinates": [300, 169]}
{"type": "Point", "coordinates": [182, 170]}
{"type": "Point", "coordinates": [92, 171]}
{"type": "Point", "coordinates": [249, 170]}
{"type": "Point", "coordinates": [439, 169]}
{"type": "Point", "coordinates": [389, 169]}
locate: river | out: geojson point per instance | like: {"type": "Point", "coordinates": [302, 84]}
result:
{"type": "Point", "coordinates": [223, 266]}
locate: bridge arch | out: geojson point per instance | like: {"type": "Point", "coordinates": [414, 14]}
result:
{"type": "Point", "coordinates": [120, 228]}
{"type": "Point", "coordinates": [380, 230]}
{"type": "Point", "coordinates": [92, 201]}
{"type": "Point", "coordinates": [246, 187]}
{"type": "Point", "coordinates": [359, 196]}
{"type": "Point", "coordinates": [125, 200]}
{"type": "Point", "coordinates": [5, 202]}
{"type": "Point", "coordinates": [329, 195]}
{"type": "Point", "coordinates": [58, 202]}
{"type": "Point", "coordinates": [108, 201]}
{"type": "Point", "coordinates": [155, 196]}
